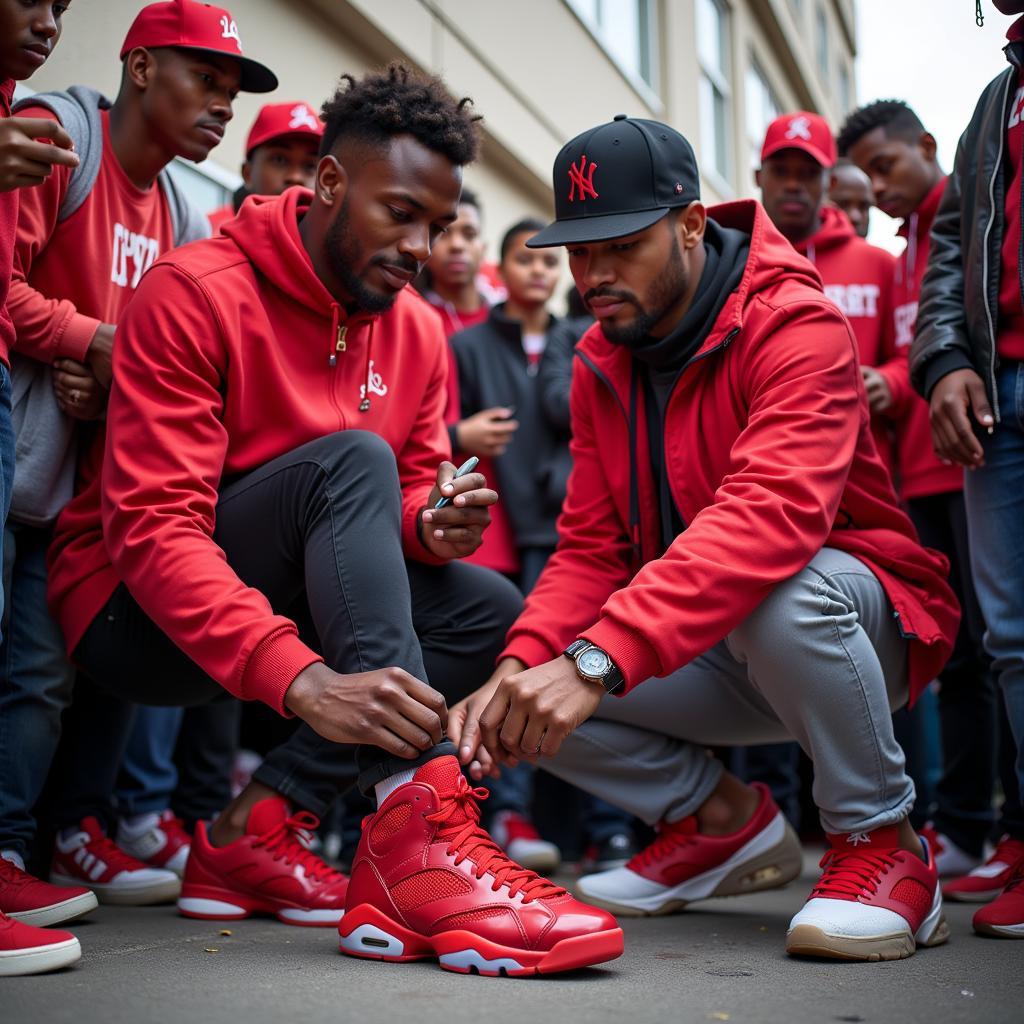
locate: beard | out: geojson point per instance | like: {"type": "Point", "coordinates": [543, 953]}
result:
{"type": "Point", "coordinates": [343, 255]}
{"type": "Point", "coordinates": [668, 288]}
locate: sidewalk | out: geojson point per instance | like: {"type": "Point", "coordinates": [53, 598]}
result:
{"type": "Point", "coordinates": [722, 961]}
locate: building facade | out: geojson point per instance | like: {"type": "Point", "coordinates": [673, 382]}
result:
{"type": "Point", "coordinates": [539, 71]}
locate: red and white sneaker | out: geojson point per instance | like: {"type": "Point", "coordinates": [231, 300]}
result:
{"type": "Point", "coordinates": [518, 837]}
{"type": "Point", "coordinates": [1004, 916]}
{"type": "Point", "coordinates": [160, 840]}
{"type": "Point", "coordinates": [25, 949]}
{"type": "Point", "coordinates": [682, 865]}
{"type": "Point", "coordinates": [92, 859]}
{"type": "Point", "coordinates": [874, 901]}
{"type": "Point", "coordinates": [428, 882]}
{"type": "Point", "coordinates": [28, 899]}
{"type": "Point", "coordinates": [950, 859]}
{"type": "Point", "coordinates": [988, 880]}
{"type": "Point", "coordinates": [270, 870]}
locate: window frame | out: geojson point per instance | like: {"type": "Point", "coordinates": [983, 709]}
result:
{"type": "Point", "coordinates": [720, 81]}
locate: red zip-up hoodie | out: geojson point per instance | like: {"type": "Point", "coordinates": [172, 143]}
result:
{"type": "Point", "coordinates": [920, 472]}
{"type": "Point", "coordinates": [231, 353]}
{"type": "Point", "coordinates": [858, 279]}
{"type": "Point", "coordinates": [769, 459]}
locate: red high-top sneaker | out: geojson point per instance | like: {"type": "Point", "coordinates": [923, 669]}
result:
{"type": "Point", "coordinates": [874, 901]}
{"type": "Point", "coordinates": [428, 881]}
{"type": "Point", "coordinates": [269, 870]}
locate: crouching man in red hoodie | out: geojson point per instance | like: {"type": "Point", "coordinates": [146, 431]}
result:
{"type": "Point", "coordinates": [266, 525]}
{"type": "Point", "coordinates": [732, 565]}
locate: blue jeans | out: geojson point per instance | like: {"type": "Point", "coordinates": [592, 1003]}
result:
{"type": "Point", "coordinates": [6, 454]}
{"type": "Point", "coordinates": [35, 686]}
{"type": "Point", "coordinates": [148, 774]}
{"type": "Point", "coordinates": [994, 495]}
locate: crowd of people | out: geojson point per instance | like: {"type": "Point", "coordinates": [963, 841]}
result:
{"type": "Point", "coordinates": [313, 516]}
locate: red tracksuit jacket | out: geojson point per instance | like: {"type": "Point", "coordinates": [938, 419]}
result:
{"type": "Point", "coordinates": [768, 448]}
{"type": "Point", "coordinates": [222, 363]}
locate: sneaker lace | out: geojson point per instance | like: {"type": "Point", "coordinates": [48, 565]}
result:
{"type": "Point", "coordinates": [289, 843]}
{"type": "Point", "coordinates": [669, 839]}
{"type": "Point", "coordinates": [851, 873]}
{"type": "Point", "coordinates": [466, 839]}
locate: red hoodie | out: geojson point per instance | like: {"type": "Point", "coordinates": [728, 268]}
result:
{"type": "Point", "coordinates": [8, 226]}
{"type": "Point", "coordinates": [768, 450]}
{"type": "Point", "coordinates": [920, 472]}
{"type": "Point", "coordinates": [222, 363]}
{"type": "Point", "coordinates": [858, 279]}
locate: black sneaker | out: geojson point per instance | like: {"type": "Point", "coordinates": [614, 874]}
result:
{"type": "Point", "coordinates": [613, 852]}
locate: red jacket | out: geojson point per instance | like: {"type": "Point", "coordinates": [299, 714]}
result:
{"type": "Point", "coordinates": [858, 279]}
{"type": "Point", "coordinates": [919, 470]}
{"type": "Point", "coordinates": [769, 455]}
{"type": "Point", "coordinates": [222, 363]}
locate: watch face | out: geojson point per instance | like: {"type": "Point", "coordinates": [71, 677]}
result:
{"type": "Point", "coordinates": [594, 663]}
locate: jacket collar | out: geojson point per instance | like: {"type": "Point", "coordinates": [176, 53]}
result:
{"type": "Point", "coordinates": [511, 330]}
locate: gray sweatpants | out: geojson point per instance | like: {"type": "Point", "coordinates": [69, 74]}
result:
{"type": "Point", "coordinates": [820, 661]}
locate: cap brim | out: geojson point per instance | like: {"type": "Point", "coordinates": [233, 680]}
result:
{"type": "Point", "coordinates": [256, 77]}
{"type": "Point", "coordinates": [804, 147]}
{"type": "Point", "coordinates": [595, 229]}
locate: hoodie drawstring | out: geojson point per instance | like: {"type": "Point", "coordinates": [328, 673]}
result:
{"type": "Point", "coordinates": [364, 405]}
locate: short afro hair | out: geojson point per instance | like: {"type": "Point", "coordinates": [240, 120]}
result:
{"type": "Point", "coordinates": [895, 117]}
{"type": "Point", "coordinates": [398, 101]}
{"type": "Point", "coordinates": [530, 225]}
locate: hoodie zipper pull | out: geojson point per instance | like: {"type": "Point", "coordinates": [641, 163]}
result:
{"type": "Point", "coordinates": [340, 345]}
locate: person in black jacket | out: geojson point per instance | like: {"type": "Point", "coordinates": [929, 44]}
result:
{"type": "Point", "coordinates": [967, 359]}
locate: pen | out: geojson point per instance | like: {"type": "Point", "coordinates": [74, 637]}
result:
{"type": "Point", "coordinates": [467, 467]}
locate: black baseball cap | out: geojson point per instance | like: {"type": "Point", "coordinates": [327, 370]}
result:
{"type": "Point", "coordinates": [618, 178]}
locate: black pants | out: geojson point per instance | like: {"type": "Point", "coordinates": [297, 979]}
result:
{"type": "Point", "coordinates": [968, 718]}
{"type": "Point", "coordinates": [317, 531]}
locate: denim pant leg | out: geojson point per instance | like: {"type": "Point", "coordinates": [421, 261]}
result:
{"type": "Point", "coordinates": [994, 494]}
{"type": "Point", "coordinates": [148, 774]}
{"type": "Point", "coordinates": [35, 686]}
{"type": "Point", "coordinates": [7, 440]}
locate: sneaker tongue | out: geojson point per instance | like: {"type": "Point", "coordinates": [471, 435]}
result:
{"type": "Point", "coordinates": [92, 828]}
{"type": "Point", "coordinates": [443, 774]}
{"type": "Point", "coordinates": [885, 838]}
{"type": "Point", "coordinates": [267, 814]}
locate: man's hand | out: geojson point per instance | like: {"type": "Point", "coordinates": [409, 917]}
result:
{"type": "Point", "coordinates": [486, 433]}
{"type": "Point", "coordinates": [79, 394]}
{"type": "Point", "coordinates": [879, 395]}
{"type": "Point", "coordinates": [23, 160]}
{"type": "Point", "coordinates": [457, 529]}
{"type": "Point", "coordinates": [464, 722]}
{"type": "Point", "coordinates": [386, 708]}
{"type": "Point", "coordinates": [531, 712]}
{"type": "Point", "coordinates": [953, 398]}
{"type": "Point", "coordinates": [101, 354]}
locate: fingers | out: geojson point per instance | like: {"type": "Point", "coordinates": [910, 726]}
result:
{"type": "Point", "coordinates": [393, 744]}
{"type": "Point", "coordinates": [50, 156]}
{"type": "Point", "coordinates": [492, 718]}
{"type": "Point", "coordinates": [44, 128]}
{"type": "Point", "coordinates": [979, 403]}
{"type": "Point", "coordinates": [433, 706]}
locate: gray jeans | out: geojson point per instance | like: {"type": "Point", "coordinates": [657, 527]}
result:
{"type": "Point", "coordinates": [820, 661]}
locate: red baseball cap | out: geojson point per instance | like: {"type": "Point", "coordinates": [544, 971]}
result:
{"type": "Point", "coordinates": [196, 26]}
{"type": "Point", "coordinates": [802, 130]}
{"type": "Point", "coordinates": [283, 120]}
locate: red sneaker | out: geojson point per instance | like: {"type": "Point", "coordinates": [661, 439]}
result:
{"type": "Point", "coordinates": [269, 870]}
{"type": "Point", "coordinates": [1004, 916]}
{"type": "Point", "coordinates": [988, 880]}
{"type": "Point", "coordinates": [28, 899]}
{"type": "Point", "coordinates": [428, 882]}
{"type": "Point", "coordinates": [28, 950]}
{"type": "Point", "coordinates": [682, 865]}
{"type": "Point", "coordinates": [91, 859]}
{"type": "Point", "coordinates": [519, 838]}
{"type": "Point", "coordinates": [874, 901]}
{"type": "Point", "coordinates": [950, 859]}
{"type": "Point", "coordinates": [158, 839]}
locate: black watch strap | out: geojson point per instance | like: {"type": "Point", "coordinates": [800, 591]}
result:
{"type": "Point", "coordinates": [612, 681]}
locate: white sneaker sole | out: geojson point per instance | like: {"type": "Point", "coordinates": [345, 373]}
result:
{"type": "Point", "coordinates": [809, 940]}
{"type": "Point", "coordinates": [220, 910]}
{"type": "Point", "coordinates": [123, 895]}
{"type": "Point", "coordinates": [36, 960]}
{"type": "Point", "coordinates": [770, 860]}
{"type": "Point", "coordinates": [57, 913]}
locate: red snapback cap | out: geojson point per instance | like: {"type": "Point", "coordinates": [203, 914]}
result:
{"type": "Point", "coordinates": [197, 26]}
{"type": "Point", "coordinates": [802, 130]}
{"type": "Point", "coordinates": [281, 120]}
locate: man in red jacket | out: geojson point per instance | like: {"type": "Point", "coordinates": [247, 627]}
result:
{"type": "Point", "coordinates": [888, 142]}
{"type": "Point", "coordinates": [730, 529]}
{"type": "Point", "coordinates": [267, 524]}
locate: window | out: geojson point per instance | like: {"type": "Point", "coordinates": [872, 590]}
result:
{"type": "Point", "coordinates": [846, 100]}
{"type": "Point", "coordinates": [626, 29]}
{"type": "Point", "coordinates": [714, 91]}
{"type": "Point", "coordinates": [821, 40]}
{"type": "Point", "coordinates": [762, 108]}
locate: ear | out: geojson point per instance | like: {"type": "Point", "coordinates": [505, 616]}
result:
{"type": "Point", "coordinates": [757, 177]}
{"type": "Point", "coordinates": [928, 146]}
{"type": "Point", "coordinates": [690, 225]}
{"type": "Point", "coordinates": [140, 68]}
{"type": "Point", "coordinates": [332, 181]}
{"type": "Point", "coordinates": [247, 173]}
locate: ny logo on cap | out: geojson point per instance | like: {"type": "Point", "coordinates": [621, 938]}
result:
{"type": "Point", "coordinates": [582, 179]}
{"type": "Point", "coordinates": [301, 117]}
{"type": "Point", "coordinates": [229, 30]}
{"type": "Point", "coordinates": [799, 128]}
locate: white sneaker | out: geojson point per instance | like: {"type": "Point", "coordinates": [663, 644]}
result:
{"type": "Point", "coordinates": [521, 841]}
{"type": "Point", "coordinates": [159, 840]}
{"type": "Point", "coordinates": [950, 859]}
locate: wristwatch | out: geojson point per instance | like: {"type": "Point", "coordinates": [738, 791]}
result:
{"type": "Point", "coordinates": [595, 665]}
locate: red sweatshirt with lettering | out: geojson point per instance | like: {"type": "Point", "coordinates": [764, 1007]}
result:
{"type": "Point", "coordinates": [247, 367]}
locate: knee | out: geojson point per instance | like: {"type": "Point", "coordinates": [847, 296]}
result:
{"type": "Point", "coordinates": [358, 456]}
{"type": "Point", "coordinates": [780, 620]}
